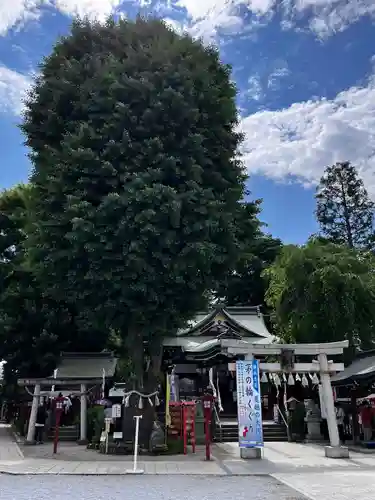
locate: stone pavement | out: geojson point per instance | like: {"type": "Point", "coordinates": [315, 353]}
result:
{"type": "Point", "coordinates": [332, 484]}
{"type": "Point", "coordinates": [300, 466]}
{"type": "Point", "coordinates": [9, 449]}
{"type": "Point", "coordinates": [144, 488]}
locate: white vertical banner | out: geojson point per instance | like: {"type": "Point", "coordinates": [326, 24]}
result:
{"type": "Point", "coordinates": [249, 404]}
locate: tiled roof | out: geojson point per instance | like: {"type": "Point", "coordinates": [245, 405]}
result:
{"type": "Point", "coordinates": [249, 319]}
{"type": "Point", "coordinates": [362, 368]}
{"type": "Point", "coordinates": [86, 365]}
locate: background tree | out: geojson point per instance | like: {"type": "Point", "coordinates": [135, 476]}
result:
{"type": "Point", "coordinates": [132, 129]}
{"type": "Point", "coordinates": [245, 286]}
{"type": "Point", "coordinates": [34, 329]}
{"type": "Point", "coordinates": [323, 293]}
{"type": "Point", "coordinates": [344, 211]}
{"type": "Point", "coordinates": [21, 318]}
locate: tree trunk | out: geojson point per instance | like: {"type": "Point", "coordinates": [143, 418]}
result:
{"type": "Point", "coordinates": [146, 382]}
{"type": "Point", "coordinates": [348, 225]}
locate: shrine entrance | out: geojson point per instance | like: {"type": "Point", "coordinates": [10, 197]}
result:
{"type": "Point", "coordinates": [200, 354]}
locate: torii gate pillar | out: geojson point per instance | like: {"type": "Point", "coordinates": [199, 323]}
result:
{"type": "Point", "coordinates": [33, 414]}
{"type": "Point", "coordinates": [334, 450]}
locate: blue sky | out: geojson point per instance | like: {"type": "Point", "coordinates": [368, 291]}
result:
{"type": "Point", "coordinates": [305, 71]}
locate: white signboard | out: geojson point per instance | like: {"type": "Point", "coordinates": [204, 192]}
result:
{"type": "Point", "coordinates": [116, 411]}
{"type": "Point", "coordinates": [249, 404]}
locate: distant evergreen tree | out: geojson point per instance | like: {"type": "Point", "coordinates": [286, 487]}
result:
{"type": "Point", "coordinates": [344, 211]}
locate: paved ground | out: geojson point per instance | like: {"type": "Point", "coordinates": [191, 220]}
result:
{"type": "Point", "coordinates": [144, 488]}
{"type": "Point", "coordinates": [73, 452]}
{"type": "Point", "coordinates": [301, 467]}
{"type": "Point", "coordinates": [8, 449]}
{"type": "Point", "coordinates": [332, 485]}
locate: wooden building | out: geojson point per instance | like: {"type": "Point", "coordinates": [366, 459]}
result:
{"type": "Point", "coordinates": [199, 361]}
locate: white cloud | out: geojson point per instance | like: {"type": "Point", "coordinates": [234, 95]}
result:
{"type": "Point", "coordinates": [254, 89]}
{"type": "Point", "coordinates": [324, 17]}
{"type": "Point", "coordinates": [334, 16]}
{"type": "Point", "coordinates": [14, 13]}
{"type": "Point", "coordinates": [207, 17]}
{"type": "Point", "coordinates": [277, 75]}
{"type": "Point", "coordinates": [174, 25]}
{"type": "Point", "coordinates": [13, 86]}
{"type": "Point", "coordinates": [94, 9]}
{"type": "Point", "coordinates": [17, 12]}
{"type": "Point", "coordinates": [300, 141]}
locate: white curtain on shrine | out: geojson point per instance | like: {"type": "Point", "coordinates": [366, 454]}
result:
{"type": "Point", "coordinates": [211, 381]}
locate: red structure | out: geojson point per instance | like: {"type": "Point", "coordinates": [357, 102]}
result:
{"type": "Point", "coordinates": [188, 424]}
{"type": "Point", "coordinates": [59, 408]}
{"type": "Point", "coordinates": [208, 404]}
{"type": "Point", "coordinates": [183, 423]}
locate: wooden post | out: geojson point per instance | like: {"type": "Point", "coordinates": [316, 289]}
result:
{"type": "Point", "coordinates": [184, 427]}
{"type": "Point", "coordinates": [58, 412]}
{"type": "Point", "coordinates": [193, 417]}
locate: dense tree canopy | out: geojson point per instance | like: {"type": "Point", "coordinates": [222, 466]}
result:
{"type": "Point", "coordinates": [322, 293]}
{"type": "Point", "coordinates": [137, 184]}
{"type": "Point", "coordinates": [344, 211]}
{"type": "Point", "coordinates": [34, 328]}
{"type": "Point", "coordinates": [21, 318]}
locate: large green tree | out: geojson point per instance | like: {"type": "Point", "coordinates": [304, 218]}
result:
{"type": "Point", "coordinates": [137, 183]}
{"type": "Point", "coordinates": [323, 292]}
{"type": "Point", "coordinates": [343, 209]}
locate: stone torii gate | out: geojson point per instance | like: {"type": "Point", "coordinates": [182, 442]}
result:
{"type": "Point", "coordinates": [320, 364]}
{"type": "Point", "coordinates": [76, 372]}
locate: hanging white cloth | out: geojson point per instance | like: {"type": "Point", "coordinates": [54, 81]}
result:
{"type": "Point", "coordinates": [221, 409]}
{"type": "Point", "coordinates": [290, 379]}
{"type": "Point", "coordinates": [67, 403]}
{"type": "Point", "coordinates": [211, 381]}
{"type": "Point", "coordinates": [55, 377]}
{"type": "Point", "coordinates": [103, 383]}
{"type": "Point", "coordinates": [276, 380]}
{"type": "Point", "coordinates": [285, 398]}
{"type": "Point", "coordinates": [305, 382]}
{"type": "Point", "coordinates": [173, 386]}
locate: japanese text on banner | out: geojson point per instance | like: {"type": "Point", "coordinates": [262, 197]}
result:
{"type": "Point", "coordinates": [249, 404]}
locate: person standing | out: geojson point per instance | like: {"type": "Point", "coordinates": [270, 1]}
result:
{"type": "Point", "coordinates": [340, 415]}
{"type": "Point", "coordinates": [40, 423]}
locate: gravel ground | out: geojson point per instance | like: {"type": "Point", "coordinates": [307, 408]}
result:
{"type": "Point", "coordinates": [143, 488]}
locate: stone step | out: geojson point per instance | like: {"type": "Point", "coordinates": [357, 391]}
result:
{"type": "Point", "coordinates": [271, 432]}
{"type": "Point", "coordinates": [70, 433]}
